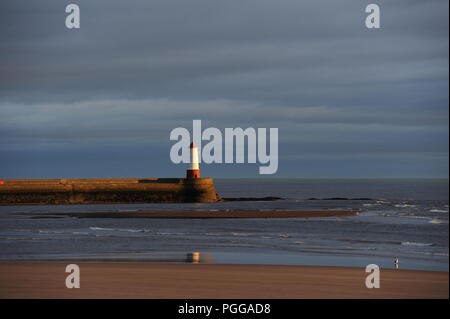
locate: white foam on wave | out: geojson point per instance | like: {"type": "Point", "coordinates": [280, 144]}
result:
{"type": "Point", "coordinates": [61, 232]}
{"type": "Point", "coordinates": [133, 230]}
{"type": "Point", "coordinates": [100, 228]}
{"type": "Point", "coordinates": [241, 234]}
{"type": "Point", "coordinates": [171, 234]}
{"type": "Point", "coordinates": [438, 211]}
{"type": "Point", "coordinates": [50, 232]}
{"type": "Point", "coordinates": [404, 205]}
{"type": "Point", "coordinates": [412, 243]}
{"type": "Point", "coordinates": [121, 229]}
{"type": "Point", "coordinates": [213, 234]}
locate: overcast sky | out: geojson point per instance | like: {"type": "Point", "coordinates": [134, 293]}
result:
{"type": "Point", "coordinates": [101, 101]}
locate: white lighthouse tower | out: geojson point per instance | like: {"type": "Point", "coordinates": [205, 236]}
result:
{"type": "Point", "coordinates": [194, 171]}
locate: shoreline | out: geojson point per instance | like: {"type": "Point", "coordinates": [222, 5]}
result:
{"type": "Point", "coordinates": [210, 281]}
{"type": "Point", "coordinates": [191, 214]}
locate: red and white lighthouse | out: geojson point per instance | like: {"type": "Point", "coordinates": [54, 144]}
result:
{"type": "Point", "coordinates": [194, 171]}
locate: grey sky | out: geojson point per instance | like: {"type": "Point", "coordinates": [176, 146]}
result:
{"type": "Point", "coordinates": [101, 101]}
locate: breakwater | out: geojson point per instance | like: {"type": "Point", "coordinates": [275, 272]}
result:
{"type": "Point", "coordinates": [106, 191]}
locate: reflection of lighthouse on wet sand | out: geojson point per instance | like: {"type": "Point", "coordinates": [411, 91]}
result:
{"type": "Point", "coordinates": [194, 171]}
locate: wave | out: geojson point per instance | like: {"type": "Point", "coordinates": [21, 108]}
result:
{"type": "Point", "coordinates": [371, 204]}
{"type": "Point", "coordinates": [61, 232]}
{"type": "Point", "coordinates": [213, 234]}
{"type": "Point", "coordinates": [241, 234]}
{"type": "Point", "coordinates": [136, 231]}
{"type": "Point", "coordinates": [412, 243]}
{"type": "Point", "coordinates": [413, 216]}
{"type": "Point", "coordinates": [437, 221]}
{"type": "Point", "coordinates": [49, 232]}
{"type": "Point", "coordinates": [169, 234]}
{"type": "Point", "coordinates": [393, 242]}
{"type": "Point", "coordinates": [429, 219]}
{"type": "Point", "coordinates": [23, 230]}
{"type": "Point", "coordinates": [100, 228]}
{"type": "Point", "coordinates": [438, 211]}
{"type": "Point", "coordinates": [122, 230]}
{"type": "Point", "coordinates": [25, 238]}
{"type": "Point", "coordinates": [431, 253]}
{"type": "Point", "coordinates": [370, 241]}
{"type": "Point", "coordinates": [404, 205]}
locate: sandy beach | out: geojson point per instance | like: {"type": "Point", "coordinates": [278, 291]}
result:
{"type": "Point", "coordinates": [108, 280]}
{"type": "Point", "coordinates": [180, 214]}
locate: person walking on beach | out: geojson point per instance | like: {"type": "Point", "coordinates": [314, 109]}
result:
{"type": "Point", "coordinates": [396, 263]}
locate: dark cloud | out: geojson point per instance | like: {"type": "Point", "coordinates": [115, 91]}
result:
{"type": "Point", "coordinates": [137, 69]}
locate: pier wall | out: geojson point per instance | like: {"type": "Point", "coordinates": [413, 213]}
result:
{"type": "Point", "coordinates": [106, 191]}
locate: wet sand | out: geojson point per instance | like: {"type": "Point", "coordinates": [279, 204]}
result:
{"type": "Point", "coordinates": [180, 214]}
{"type": "Point", "coordinates": [47, 280]}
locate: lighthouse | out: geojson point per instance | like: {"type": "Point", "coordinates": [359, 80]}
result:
{"type": "Point", "coordinates": [194, 171]}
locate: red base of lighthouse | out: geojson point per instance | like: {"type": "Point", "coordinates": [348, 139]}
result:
{"type": "Point", "coordinates": [192, 173]}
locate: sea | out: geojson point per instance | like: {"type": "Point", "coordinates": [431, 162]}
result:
{"type": "Point", "coordinates": [404, 219]}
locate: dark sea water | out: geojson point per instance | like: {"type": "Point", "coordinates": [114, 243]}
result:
{"type": "Point", "coordinates": [402, 218]}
